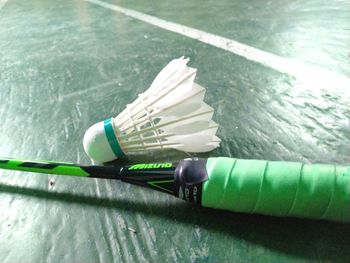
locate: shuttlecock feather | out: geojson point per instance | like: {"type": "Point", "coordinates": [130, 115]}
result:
{"type": "Point", "coordinates": [170, 114]}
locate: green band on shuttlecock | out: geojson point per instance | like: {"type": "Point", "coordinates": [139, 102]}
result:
{"type": "Point", "coordinates": [112, 139]}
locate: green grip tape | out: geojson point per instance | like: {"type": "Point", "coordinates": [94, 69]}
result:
{"type": "Point", "coordinates": [277, 188]}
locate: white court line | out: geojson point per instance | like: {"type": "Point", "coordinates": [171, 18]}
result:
{"type": "Point", "coordinates": [289, 66]}
{"type": "Point", "coordinates": [2, 3]}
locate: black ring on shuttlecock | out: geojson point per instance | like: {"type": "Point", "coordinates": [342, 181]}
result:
{"type": "Point", "coordinates": [112, 139]}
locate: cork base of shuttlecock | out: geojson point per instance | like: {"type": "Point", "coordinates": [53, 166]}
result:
{"type": "Point", "coordinates": [101, 142]}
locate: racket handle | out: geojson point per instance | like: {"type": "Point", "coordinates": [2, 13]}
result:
{"type": "Point", "coordinates": [278, 188]}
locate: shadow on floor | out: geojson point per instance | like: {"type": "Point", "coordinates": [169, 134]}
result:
{"type": "Point", "coordinates": [314, 240]}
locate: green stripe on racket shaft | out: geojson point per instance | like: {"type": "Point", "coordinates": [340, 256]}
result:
{"type": "Point", "coordinates": [316, 191]}
{"type": "Point", "coordinates": [59, 168]}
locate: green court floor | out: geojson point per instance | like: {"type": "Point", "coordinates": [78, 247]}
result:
{"type": "Point", "coordinates": [277, 74]}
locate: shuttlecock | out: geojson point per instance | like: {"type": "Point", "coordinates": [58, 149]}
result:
{"type": "Point", "coordinates": [170, 114]}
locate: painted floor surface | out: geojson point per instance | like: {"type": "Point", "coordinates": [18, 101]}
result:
{"type": "Point", "coordinates": [65, 65]}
